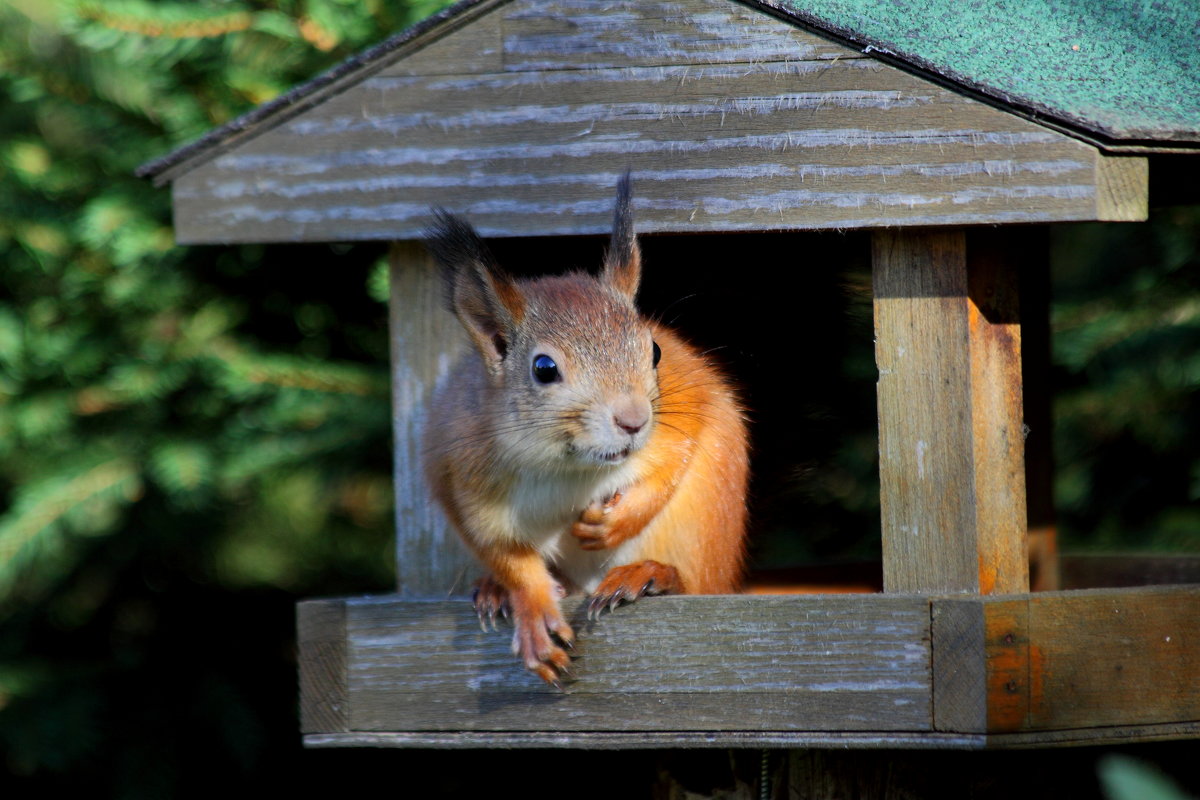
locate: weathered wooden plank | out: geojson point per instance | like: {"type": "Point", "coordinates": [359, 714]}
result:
{"type": "Point", "coordinates": [799, 144]}
{"type": "Point", "coordinates": [1061, 661]}
{"type": "Point", "coordinates": [947, 343]}
{"type": "Point", "coordinates": [641, 740]}
{"type": "Point", "coordinates": [980, 656]}
{"type": "Point", "coordinates": [1105, 735]}
{"type": "Point", "coordinates": [1114, 657]}
{"type": "Point", "coordinates": [644, 740]}
{"type": "Point", "coordinates": [959, 673]}
{"type": "Point", "coordinates": [572, 34]}
{"type": "Point", "coordinates": [668, 711]}
{"type": "Point", "coordinates": [1123, 188]}
{"type": "Point", "coordinates": [993, 265]}
{"type": "Point", "coordinates": [670, 664]}
{"type": "Point", "coordinates": [321, 641]}
{"type": "Point", "coordinates": [473, 48]}
{"type": "Point", "coordinates": [426, 342]}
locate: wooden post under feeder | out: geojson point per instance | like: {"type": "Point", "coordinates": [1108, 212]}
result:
{"type": "Point", "coordinates": [520, 114]}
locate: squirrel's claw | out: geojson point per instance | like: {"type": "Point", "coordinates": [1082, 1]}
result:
{"type": "Point", "coordinates": [541, 638]}
{"type": "Point", "coordinates": [489, 600]}
{"type": "Point", "coordinates": [628, 582]}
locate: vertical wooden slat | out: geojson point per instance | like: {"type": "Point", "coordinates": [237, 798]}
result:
{"type": "Point", "coordinates": [997, 424]}
{"type": "Point", "coordinates": [321, 641]}
{"type": "Point", "coordinates": [947, 344]}
{"type": "Point", "coordinates": [426, 343]}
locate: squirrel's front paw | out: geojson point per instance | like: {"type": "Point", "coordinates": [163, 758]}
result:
{"type": "Point", "coordinates": [628, 582]}
{"type": "Point", "coordinates": [598, 528]}
{"type": "Point", "coordinates": [539, 640]}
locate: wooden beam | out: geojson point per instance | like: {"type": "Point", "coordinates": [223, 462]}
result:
{"type": "Point", "coordinates": [321, 641]}
{"type": "Point", "coordinates": [948, 348]}
{"type": "Point", "coordinates": [644, 740]}
{"type": "Point", "coordinates": [665, 664]}
{"type": "Point", "coordinates": [1122, 188]}
{"type": "Point", "coordinates": [426, 343]}
{"type": "Point", "coordinates": [1056, 661]}
{"type": "Point", "coordinates": [842, 740]}
{"type": "Point", "coordinates": [1114, 657]}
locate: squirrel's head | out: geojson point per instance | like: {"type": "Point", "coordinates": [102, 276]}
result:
{"type": "Point", "coordinates": [573, 362]}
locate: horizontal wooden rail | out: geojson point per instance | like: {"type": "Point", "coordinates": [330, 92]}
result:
{"type": "Point", "coordinates": [1052, 668]}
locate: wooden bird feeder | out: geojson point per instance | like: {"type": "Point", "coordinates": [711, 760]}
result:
{"type": "Point", "coordinates": [733, 117]}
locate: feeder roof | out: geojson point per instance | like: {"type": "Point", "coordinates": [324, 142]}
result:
{"type": "Point", "coordinates": [1123, 70]}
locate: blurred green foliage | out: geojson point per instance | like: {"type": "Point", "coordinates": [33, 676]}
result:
{"type": "Point", "coordinates": [189, 438]}
{"type": "Point", "coordinates": [1126, 321]}
{"type": "Point", "coordinates": [193, 438]}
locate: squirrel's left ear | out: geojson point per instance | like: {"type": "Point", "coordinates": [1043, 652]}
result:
{"type": "Point", "coordinates": [623, 262]}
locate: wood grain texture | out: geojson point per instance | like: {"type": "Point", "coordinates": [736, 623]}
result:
{"type": "Point", "coordinates": [426, 341]}
{"type": "Point", "coordinates": [1061, 661]}
{"type": "Point", "coordinates": [670, 664]}
{"type": "Point", "coordinates": [475, 47]}
{"type": "Point", "coordinates": [947, 344]}
{"type": "Point", "coordinates": [959, 670]}
{"type": "Point", "coordinates": [641, 740]}
{"type": "Point", "coordinates": [1122, 189]}
{"type": "Point", "coordinates": [573, 34]}
{"type": "Point", "coordinates": [321, 641]}
{"type": "Point", "coordinates": [729, 119]}
{"type": "Point", "coordinates": [1114, 657]}
{"type": "Point", "coordinates": [980, 665]}
{"type": "Point", "coordinates": [1007, 648]}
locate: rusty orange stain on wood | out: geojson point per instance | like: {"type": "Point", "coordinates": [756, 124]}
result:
{"type": "Point", "coordinates": [1006, 649]}
{"type": "Point", "coordinates": [987, 575]}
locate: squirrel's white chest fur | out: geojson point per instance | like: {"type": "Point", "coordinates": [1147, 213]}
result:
{"type": "Point", "coordinates": [544, 506]}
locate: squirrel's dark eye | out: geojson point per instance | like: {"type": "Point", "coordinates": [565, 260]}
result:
{"type": "Point", "coordinates": [657, 353]}
{"type": "Point", "coordinates": [544, 369]}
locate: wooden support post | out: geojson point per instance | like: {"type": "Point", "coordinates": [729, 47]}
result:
{"type": "Point", "coordinates": [426, 343]}
{"type": "Point", "coordinates": [951, 450]}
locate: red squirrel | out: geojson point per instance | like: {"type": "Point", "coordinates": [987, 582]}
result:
{"type": "Point", "coordinates": [588, 449]}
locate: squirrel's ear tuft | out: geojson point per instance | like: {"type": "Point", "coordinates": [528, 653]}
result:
{"type": "Point", "coordinates": [457, 248]}
{"type": "Point", "coordinates": [623, 262]}
{"type": "Point", "coordinates": [483, 296]}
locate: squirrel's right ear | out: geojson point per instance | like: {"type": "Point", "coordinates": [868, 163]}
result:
{"type": "Point", "coordinates": [483, 296]}
{"type": "Point", "coordinates": [623, 261]}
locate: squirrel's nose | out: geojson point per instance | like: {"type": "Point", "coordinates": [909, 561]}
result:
{"type": "Point", "coordinates": [632, 415]}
